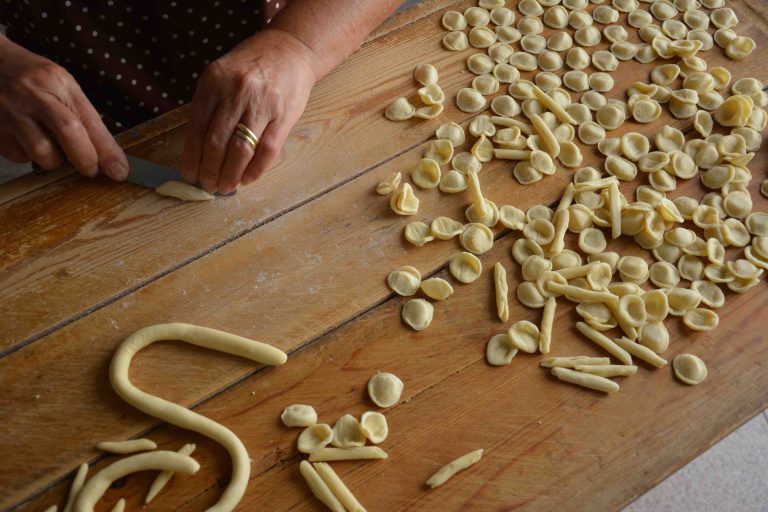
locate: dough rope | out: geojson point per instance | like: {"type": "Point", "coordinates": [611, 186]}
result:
{"type": "Point", "coordinates": [163, 460]}
{"type": "Point", "coordinates": [125, 447]}
{"type": "Point", "coordinates": [162, 479]}
{"type": "Point", "coordinates": [77, 484]}
{"type": "Point", "coordinates": [180, 416]}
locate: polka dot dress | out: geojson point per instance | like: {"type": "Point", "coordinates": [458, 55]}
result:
{"type": "Point", "coordinates": [134, 59]}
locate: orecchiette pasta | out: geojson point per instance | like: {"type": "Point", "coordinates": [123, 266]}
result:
{"type": "Point", "coordinates": [454, 20]}
{"type": "Point", "coordinates": [451, 132]}
{"type": "Point", "coordinates": [404, 202]}
{"type": "Point", "coordinates": [455, 41]}
{"type": "Point", "coordinates": [470, 100]}
{"type": "Point", "coordinates": [587, 36]}
{"type": "Point", "coordinates": [426, 174]}
{"type": "Point", "coordinates": [400, 110]}
{"type": "Point", "coordinates": [481, 37]}
{"type": "Point", "coordinates": [486, 84]}
{"type": "Point", "coordinates": [477, 16]}
{"type": "Point", "coordinates": [605, 60]}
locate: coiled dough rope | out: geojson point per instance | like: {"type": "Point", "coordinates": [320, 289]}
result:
{"type": "Point", "coordinates": [181, 416]}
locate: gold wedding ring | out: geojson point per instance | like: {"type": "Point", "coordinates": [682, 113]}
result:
{"type": "Point", "coordinates": [247, 135]}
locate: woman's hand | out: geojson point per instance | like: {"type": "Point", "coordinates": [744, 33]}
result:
{"type": "Point", "coordinates": [263, 83]}
{"type": "Point", "coordinates": [45, 117]}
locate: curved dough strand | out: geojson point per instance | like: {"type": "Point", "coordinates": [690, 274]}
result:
{"type": "Point", "coordinates": [77, 484]}
{"type": "Point", "coordinates": [162, 479]}
{"type": "Point", "coordinates": [163, 460]}
{"type": "Point", "coordinates": [181, 416]}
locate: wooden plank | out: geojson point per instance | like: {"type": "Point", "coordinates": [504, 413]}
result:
{"type": "Point", "coordinates": [277, 311]}
{"type": "Point", "coordinates": [109, 236]}
{"type": "Point", "coordinates": [100, 231]}
{"type": "Point", "coordinates": [547, 443]}
{"type": "Point", "coordinates": [274, 302]}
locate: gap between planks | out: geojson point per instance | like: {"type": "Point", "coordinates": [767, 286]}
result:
{"type": "Point", "coordinates": [498, 236]}
{"type": "Point", "coordinates": [174, 119]}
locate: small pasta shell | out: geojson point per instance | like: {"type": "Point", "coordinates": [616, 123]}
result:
{"type": "Point", "coordinates": [700, 319]}
{"type": "Point", "coordinates": [418, 314]}
{"type": "Point", "coordinates": [455, 41]}
{"type": "Point", "coordinates": [470, 100]}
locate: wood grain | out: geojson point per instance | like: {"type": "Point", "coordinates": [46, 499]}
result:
{"type": "Point", "coordinates": [102, 249]}
{"type": "Point", "coordinates": [264, 302]}
{"type": "Point", "coordinates": [101, 231]}
{"type": "Point", "coordinates": [288, 282]}
{"type": "Point", "coordinates": [547, 443]}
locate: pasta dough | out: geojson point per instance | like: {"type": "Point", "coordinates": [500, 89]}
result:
{"type": "Point", "coordinates": [356, 453]}
{"type": "Point", "coordinates": [417, 313]}
{"type": "Point", "coordinates": [374, 427]}
{"type": "Point", "coordinates": [385, 389]}
{"type": "Point", "coordinates": [689, 369]}
{"type": "Point", "coordinates": [161, 460]}
{"type": "Point", "coordinates": [183, 191]}
{"type": "Point", "coordinates": [586, 380]}
{"type": "Point", "coordinates": [404, 201]}
{"type": "Point", "coordinates": [164, 477]}
{"type": "Point", "coordinates": [77, 484]}
{"type": "Point", "coordinates": [336, 485]}
{"type": "Point", "coordinates": [477, 238]}
{"type": "Point", "coordinates": [347, 432]}
{"type": "Point", "coordinates": [181, 416]}
{"type": "Point", "coordinates": [130, 446]}
{"type": "Point", "coordinates": [404, 281]}
{"type": "Point", "coordinates": [319, 488]}
{"type": "Point", "coordinates": [502, 291]}
{"type": "Point", "coordinates": [437, 288]}
{"type": "Point", "coordinates": [453, 467]}
{"type": "Point", "coordinates": [465, 267]}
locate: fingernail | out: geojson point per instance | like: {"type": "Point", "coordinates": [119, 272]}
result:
{"type": "Point", "coordinates": [208, 186]}
{"type": "Point", "coordinates": [116, 171]}
{"type": "Point", "coordinates": [93, 171]}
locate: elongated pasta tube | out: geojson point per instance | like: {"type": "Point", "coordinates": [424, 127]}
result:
{"type": "Point", "coordinates": [586, 380]}
{"type": "Point", "coordinates": [605, 342]}
{"type": "Point", "coordinates": [453, 467]}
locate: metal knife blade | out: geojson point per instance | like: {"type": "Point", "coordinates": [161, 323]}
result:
{"type": "Point", "coordinates": [149, 174]}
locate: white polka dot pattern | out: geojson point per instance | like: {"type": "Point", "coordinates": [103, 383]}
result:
{"type": "Point", "coordinates": [134, 59]}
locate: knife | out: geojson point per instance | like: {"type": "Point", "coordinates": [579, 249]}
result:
{"type": "Point", "coordinates": [149, 174]}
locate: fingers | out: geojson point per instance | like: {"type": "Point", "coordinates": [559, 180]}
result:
{"type": "Point", "coordinates": [111, 158]}
{"type": "Point", "coordinates": [10, 150]}
{"type": "Point", "coordinates": [239, 154]}
{"type": "Point", "coordinates": [202, 110]}
{"type": "Point", "coordinates": [38, 146]}
{"type": "Point", "coordinates": [267, 151]}
{"type": "Point", "coordinates": [71, 136]}
{"type": "Point", "coordinates": [217, 141]}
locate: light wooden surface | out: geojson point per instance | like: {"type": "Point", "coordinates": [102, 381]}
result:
{"type": "Point", "coordinates": [299, 261]}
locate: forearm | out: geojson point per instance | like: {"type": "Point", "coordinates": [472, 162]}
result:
{"type": "Point", "coordinates": [332, 29]}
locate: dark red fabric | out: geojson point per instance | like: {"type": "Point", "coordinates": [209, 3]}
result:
{"type": "Point", "coordinates": [135, 59]}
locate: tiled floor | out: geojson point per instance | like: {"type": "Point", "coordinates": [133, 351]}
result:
{"type": "Point", "coordinates": [732, 476]}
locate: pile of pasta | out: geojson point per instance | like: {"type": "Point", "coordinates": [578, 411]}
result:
{"type": "Point", "coordinates": [715, 242]}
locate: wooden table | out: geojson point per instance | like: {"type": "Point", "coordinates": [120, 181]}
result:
{"type": "Point", "coordinates": [299, 260]}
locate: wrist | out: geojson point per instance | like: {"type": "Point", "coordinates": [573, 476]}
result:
{"type": "Point", "coordinates": [287, 41]}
